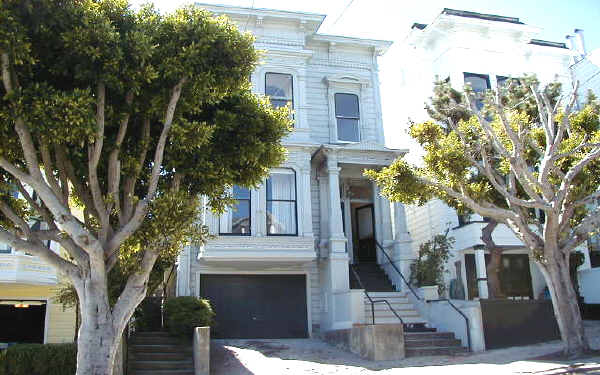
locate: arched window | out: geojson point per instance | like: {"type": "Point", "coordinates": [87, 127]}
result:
{"type": "Point", "coordinates": [281, 203]}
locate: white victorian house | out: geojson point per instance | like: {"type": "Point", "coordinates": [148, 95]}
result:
{"type": "Point", "coordinates": [278, 265]}
{"type": "Point", "coordinates": [481, 50]}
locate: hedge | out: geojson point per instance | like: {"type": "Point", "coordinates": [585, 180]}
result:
{"type": "Point", "coordinates": [183, 314]}
{"type": "Point", "coordinates": [39, 359]}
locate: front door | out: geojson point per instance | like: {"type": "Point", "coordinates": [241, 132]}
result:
{"type": "Point", "coordinates": [365, 231]}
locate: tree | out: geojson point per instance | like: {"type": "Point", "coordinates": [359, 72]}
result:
{"type": "Point", "coordinates": [531, 151]}
{"type": "Point", "coordinates": [113, 122]}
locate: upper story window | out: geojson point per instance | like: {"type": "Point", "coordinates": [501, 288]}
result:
{"type": "Point", "coordinates": [479, 83]}
{"type": "Point", "coordinates": [279, 89]}
{"type": "Point", "coordinates": [5, 249]}
{"type": "Point", "coordinates": [237, 219]}
{"type": "Point", "coordinates": [347, 116]}
{"type": "Point", "coordinates": [281, 203]}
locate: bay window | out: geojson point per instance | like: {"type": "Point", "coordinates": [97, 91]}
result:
{"type": "Point", "coordinates": [281, 203]}
{"type": "Point", "coordinates": [237, 219]}
{"type": "Point", "coordinates": [347, 116]}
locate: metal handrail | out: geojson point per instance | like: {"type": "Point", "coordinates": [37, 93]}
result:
{"type": "Point", "coordinates": [391, 262]}
{"type": "Point", "coordinates": [373, 302]}
{"type": "Point", "coordinates": [461, 313]}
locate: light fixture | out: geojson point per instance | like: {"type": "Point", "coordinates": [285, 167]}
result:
{"type": "Point", "coordinates": [21, 305]}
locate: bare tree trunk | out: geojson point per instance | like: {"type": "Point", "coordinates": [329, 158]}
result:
{"type": "Point", "coordinates": [564, 301]}
{"type": "Point", "coordinates": [494, 266]}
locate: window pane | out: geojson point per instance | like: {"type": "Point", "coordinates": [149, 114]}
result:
{"type": "Point", "coordinates": [281, 217]}
{"type": "Point", "coordinates": [4, 248]}
{"type": "Point", "coordinates": [347, 129]}
{"type": "Point", "coordinates": [237, 219]}
{"type": "Point", "coordinates": [240, 192]}
{"type": "Point", "coordinates": [278, 103]}
{"type": "Point", "coordinates": [278, 85]}
{"type": "Point", "coordinates": [502, 80]}
{"type": "Point", "coordinates": [346, 105]}
{"type": "Point", "coordinates": [281, 186]}
{"type": "Point", "coordinates": [479, 83]}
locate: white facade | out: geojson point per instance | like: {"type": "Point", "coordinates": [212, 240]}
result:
{"type": "Point", "coordinates": [327, 167]}
{"type": "Point", "coordinates": [455, 45]}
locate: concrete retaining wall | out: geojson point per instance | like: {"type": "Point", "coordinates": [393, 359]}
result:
{"type": "Point", "coordinates": [201, 350]}
{"type": "Point", "coordinates": [379, 342]}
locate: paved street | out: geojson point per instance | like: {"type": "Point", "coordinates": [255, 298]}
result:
{"type": "Point", "coordinates": [312, 356]}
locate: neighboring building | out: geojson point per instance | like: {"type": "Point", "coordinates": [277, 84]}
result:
{"type": "Point", "coordinates": [279, 263]}
{"type": "Point", "coordinates": [585, 68]}
{"type": "Point", "coordinates": [482, 50]}
{"type": "Point", "coordinates": [28, 311]}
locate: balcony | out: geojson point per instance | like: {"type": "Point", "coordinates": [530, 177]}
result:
{"type": "Point", "coordinates": [269, 249]}
{"type": "Point", "coordinates": [25, 269]}
{"type": "Point", "coordinates": [469, 235]}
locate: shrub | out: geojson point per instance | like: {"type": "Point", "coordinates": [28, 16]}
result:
{"type": "Point", "coordinates": [428, 269]}
{"type": "Point", "coordinates": [39, 359]}
{"type": "Point", "coordinates": [183, 314]}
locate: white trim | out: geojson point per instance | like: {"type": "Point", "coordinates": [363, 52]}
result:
{"type": "Point", "coordinates": [306, 274]}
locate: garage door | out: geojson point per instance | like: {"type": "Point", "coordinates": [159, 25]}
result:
{"type": "Point", "coordinates": [22, 324]}
{"type": "Point", "coordinates": [257, 306]}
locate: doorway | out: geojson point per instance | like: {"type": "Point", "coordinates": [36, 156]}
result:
{"type": "Point", "coordinates": [366, 251]}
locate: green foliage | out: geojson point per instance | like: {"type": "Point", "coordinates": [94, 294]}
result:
{"type": "Point", "coordinates": [183, 314]}
{"type": "Point", "coordinates": [429, 267]}
{"type": "Point", "coordinates": [39, 359]}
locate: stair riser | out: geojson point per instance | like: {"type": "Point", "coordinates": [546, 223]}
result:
{"type": "Point", "coordinates": [167, 372]}
{"type": "Point", "coordinates": [419, 352]}
{"type": "Point", "coordinates": [395, 320]}
{"type": "Point", "coordinates": [429, 336]}
{"type": "Point", "coordinates": [159, 356]}
{"type": "Point", "coordinates": [159, 349]}
{"type": "Point", "coordinates": [429, 343]}
{"type": "Point", "coordinates": [161, 365]}
{"type": "Point", "coordinates": [158, 341]}
{"type": "Point", "coordinates": [152, 334]}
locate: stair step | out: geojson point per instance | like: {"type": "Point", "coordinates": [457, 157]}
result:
{"type": "Point", "coordinates": [161, 365]}
{"type": "Point", "coordinates": [432, 343]}
{"type": "Point", "coordinates": [394, 319]}
{"type": "Point", "coordinates": [385, 307]}
{"type": "Point", "coordinates": [158, 340]}
{"type": "Point", "coordinates": [418, 336]}
{"type": "Point", "coordinates": [158, 356]}
{"type": "Point", "coordinates": [161, 372]}
{"type": "Point", "coordinates": [428, 351]}
{"type": "Point", "coordinates": [158, 348]}
{"type": "Point", "coordinates": [152, 333]}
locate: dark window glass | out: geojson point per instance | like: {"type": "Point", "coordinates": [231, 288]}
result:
{"type": "Point", "coordinates": [348, 116]}
{"type": "Point", "coordinates": [479, 83]}
{"type": "Point", "coordinates": [279, 89]}
{"type": "Point", "coordinates": [502, 80]}
{"type": "Point", "coordinates": [281, 203]}
{"type": "Point", "coordinates": [4, 248]}
{"type": "Point", "coordinates": [237, 219]}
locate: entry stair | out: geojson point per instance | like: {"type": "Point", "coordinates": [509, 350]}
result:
{"type": "Point", "coordinates": [419, 338]}
{"type": "Point", "coordinates": [157, 353]}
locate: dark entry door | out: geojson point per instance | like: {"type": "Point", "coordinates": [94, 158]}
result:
{"type": "Point", "coordinates": [365, 230]}
{"type": "Point", "coordinates": [257, 306]}
{"type": "Point", "coordinates": [515, 276]}
{"type": "Point", "coordinates": [22, 324]}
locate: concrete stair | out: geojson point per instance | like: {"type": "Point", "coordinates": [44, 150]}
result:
{"type": "Point", "coordinates": [399, 302]}
{"type": "Point", "coordinates": [418, 344]}
{"type": "Point", "coordinates": [157, 353]}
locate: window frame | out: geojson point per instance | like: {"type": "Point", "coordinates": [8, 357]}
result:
{"type": "Point", "coordinates": [249, 199]}
{"type": "Point", "coordinates": [346, 117]}
{"type": "Point", "coordinates": [267, 200]}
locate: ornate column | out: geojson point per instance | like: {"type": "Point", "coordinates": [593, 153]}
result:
{"type": "Point", "coordinates": [481, 272]}
{"type": "Point", "coordinates": [305, 199]}
{"type": "Point", "coordinates": [337, 240]}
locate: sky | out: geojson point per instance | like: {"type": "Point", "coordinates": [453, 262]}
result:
{"type": "Point", "coordinates": [391, 20]}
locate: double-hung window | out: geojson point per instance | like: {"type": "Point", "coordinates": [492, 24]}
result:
{"type": "Point", "coordinates": [347, 116]}
{"type": "Point", "coordinates": [237, 219]}
{"type": "Point", "coordinates": [479, 83]}
{"type": "Point", "coordinates": [279, 88]}
{"type": "Point", "coordinates": [281, 203]}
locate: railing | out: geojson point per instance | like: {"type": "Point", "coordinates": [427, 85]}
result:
{"type": "Point", "coordinates": [461, 313]}
{"type": "Point", "coordinates": [372, 301]}
{"type": "Point", "coordinates": [391, 263]}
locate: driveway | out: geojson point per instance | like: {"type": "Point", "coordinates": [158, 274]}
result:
{"type": "Point", "coordinates": [313, 356]}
